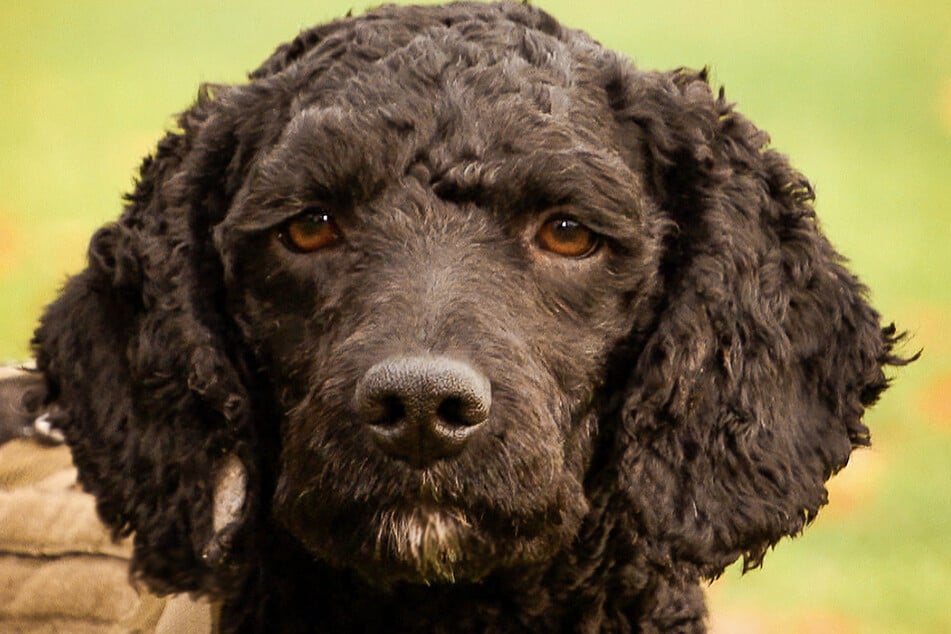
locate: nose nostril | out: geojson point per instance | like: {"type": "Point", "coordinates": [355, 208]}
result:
{"type": "Point", "coordinates": [392, 411]}
{"type": "Point", "coordinates": [452, 412]}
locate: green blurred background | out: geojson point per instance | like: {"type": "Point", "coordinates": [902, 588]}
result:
{"type": "Point", "coordinates": [857, 93]}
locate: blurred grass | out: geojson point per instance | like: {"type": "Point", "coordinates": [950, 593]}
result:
{"type": "Point", "coordinates": [858, 93]}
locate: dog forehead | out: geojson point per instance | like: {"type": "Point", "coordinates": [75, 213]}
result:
{"type": "Point", "coordinates": [477, 103]}
{"type": "Point", "coordinates": [458, 148]}
{"type": "Point", "coordinates": [454, 101]}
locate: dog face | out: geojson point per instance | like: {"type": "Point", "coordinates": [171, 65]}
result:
{"type": "Point", "coordinates": [487, 232]}
{"type": "Point", "coordinates": [448, 291]}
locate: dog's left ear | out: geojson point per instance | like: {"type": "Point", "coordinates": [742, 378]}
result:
{"type": "Point", "coordinates": [748, 391]}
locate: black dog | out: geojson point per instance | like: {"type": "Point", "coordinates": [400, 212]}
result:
{"type": "Point", "coordinates": [451, 320]}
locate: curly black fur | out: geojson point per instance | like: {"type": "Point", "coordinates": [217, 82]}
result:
{"type": "Point", "coordinates": [661, 407]}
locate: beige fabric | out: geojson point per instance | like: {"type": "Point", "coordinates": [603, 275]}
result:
{"type": "Point", "coordinates": [59, 569]}
{"type": "Point", "coordinates": [11, 370]}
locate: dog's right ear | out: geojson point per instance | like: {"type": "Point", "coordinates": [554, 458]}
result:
{"type": "Point", "coordinates": [145, 375]}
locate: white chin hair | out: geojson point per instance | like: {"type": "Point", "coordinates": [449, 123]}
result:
{"type": "Point", "coordinates": [429, 540]}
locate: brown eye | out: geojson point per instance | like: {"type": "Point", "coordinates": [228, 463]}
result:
{"type": "Point", "coordinates": [310, 231]}
{"type": "Point", "coordinates": [568, 238]}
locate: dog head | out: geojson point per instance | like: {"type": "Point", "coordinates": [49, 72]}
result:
{"type": "Point", "coordinates": [441, 291]}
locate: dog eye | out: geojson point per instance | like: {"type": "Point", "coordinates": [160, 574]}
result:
{"type": "Point", "coordinates": [310, 231]}
{"type": "Point", "coordinates": [568, 238]}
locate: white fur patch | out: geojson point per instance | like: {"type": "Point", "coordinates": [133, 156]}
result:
{"type": "Point", "coordinates": [231, 489]}
{"type": "Point", "coordinates": [427, 539]}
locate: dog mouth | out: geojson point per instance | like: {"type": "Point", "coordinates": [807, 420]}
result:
{"type": "Point", "coordinates": [420, 544]}
{"type": "Point", "coordinates": [423, 542]}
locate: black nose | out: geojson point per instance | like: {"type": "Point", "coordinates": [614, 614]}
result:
{"type": "Point", "coordinates": [422, 409]}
